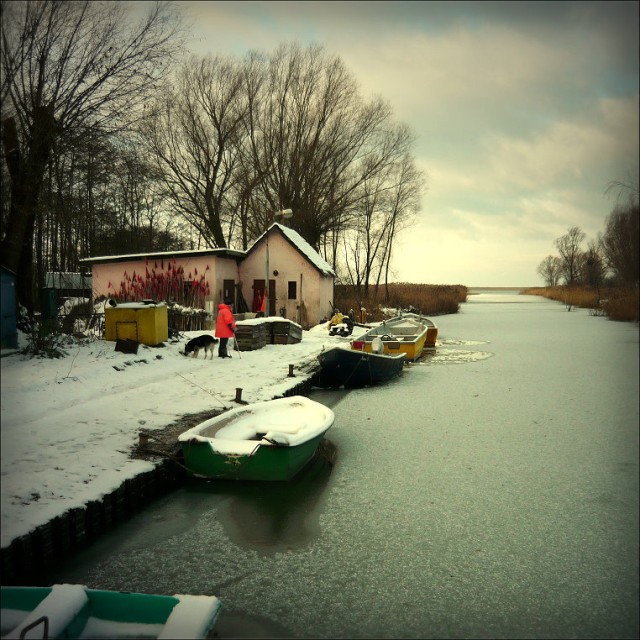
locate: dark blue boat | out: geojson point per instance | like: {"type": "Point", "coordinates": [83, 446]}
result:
{"type": "Point", "coordinates": [351, 368]}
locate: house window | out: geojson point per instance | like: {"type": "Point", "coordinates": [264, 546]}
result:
{"type": "Point", "coordinates": [292, 293]}
{"type": "Point", "coordinates": [229, 290]}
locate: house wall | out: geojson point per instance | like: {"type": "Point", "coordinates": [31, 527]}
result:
{"type": "Point", "coordinates": [215, 270]}
{"type": "Point", "coordinates": [313, 294]}
{"type": "Point", "coordinates": [327, 293]}
{"type": "Point", "coordinates": [224, 269]}
{"type": "Point", "coordinates": [312, 288]}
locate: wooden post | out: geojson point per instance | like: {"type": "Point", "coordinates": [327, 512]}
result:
{"type": "Point", "coordinates": [239, 395]}
{"type": "Point", "coordinates": [291, 371]}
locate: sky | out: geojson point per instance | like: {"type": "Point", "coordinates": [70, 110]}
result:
{"type": "Point", "coordinates": [524, 112]}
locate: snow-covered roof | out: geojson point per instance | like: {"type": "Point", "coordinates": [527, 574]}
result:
{"type": "Point", "coordinates": [292, 236]}
{"type": "Point", "coordinates": [301, 245]}
{"type": "Point", "coordinates": [65, 280]}
{"type": "Point", "coordinates": [229, 253]}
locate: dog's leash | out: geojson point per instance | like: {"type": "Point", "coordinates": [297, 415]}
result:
{"type": "Point", "coordinates": [207, 390]}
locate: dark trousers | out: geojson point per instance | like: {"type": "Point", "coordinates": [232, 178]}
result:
{"type": "Point", "coordinates": [222, 348]}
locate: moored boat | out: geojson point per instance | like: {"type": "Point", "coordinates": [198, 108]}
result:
{"type": "Point", "coordinates": [432, 329]}
{"type": "Point", "coordinates": [74, 611]}
{"type": "Point", "coordinates": [271, 440]}
{"type": "Point", "coordinates": [350, 368]}
{"type": "Point", "coordinates": [408, 333]}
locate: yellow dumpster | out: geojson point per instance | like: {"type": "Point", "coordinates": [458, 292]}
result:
{"type": "Point", "coordinates": [146, 323]}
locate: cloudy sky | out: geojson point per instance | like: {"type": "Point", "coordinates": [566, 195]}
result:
{"type": "Point", "coordinates": [523, 112]}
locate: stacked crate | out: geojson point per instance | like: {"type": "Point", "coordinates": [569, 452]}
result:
{"type": "Point", "coordinates": [251, 336]}
{"type": "Point", "coordinates": [285, 332]}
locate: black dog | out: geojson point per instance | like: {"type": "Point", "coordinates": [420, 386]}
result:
{"type": "Point", "coordinates": [205, 342]}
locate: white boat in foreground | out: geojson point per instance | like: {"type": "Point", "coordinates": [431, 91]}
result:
{"type": "Point", "coordinates": [75, 611]}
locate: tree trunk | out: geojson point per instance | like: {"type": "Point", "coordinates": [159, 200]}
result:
{"type": "Point", "coordinates": [26, 176]}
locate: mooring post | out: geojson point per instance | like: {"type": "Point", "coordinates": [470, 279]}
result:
{"type": "Point", "coordinates": [291, 371]}
{"type": "Point", "coordinates": [239, 394]}
{"type": "Point", "coordinates": [143, 439]}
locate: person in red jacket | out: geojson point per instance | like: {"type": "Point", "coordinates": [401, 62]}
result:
{"type": "Point", "coordinates": [225, 327]}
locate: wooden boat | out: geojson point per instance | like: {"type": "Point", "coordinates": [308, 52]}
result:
{"type": "Point", "coordinates": [349, 368]}
{"type": "Point", "coordinates": [270, 440]}
{"type": "Point", "coordinates": [74, 611]}
{"type": "Point", "coordinates": [408, 333]}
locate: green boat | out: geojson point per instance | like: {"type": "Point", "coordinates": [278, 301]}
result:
{"type": "Point", "coordinates": [74, 611]}
{"type": "Point", "coordinates": [271, 440]}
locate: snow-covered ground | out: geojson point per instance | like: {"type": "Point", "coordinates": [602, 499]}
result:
{"type": "Point", "coordinates": [69, 424]}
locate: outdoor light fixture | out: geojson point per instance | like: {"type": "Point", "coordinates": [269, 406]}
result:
{"type": "Point", "coordinates": [285, 214]}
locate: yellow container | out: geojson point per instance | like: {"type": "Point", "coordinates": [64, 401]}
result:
{"type": "Point", "coordinates": [144, 323]}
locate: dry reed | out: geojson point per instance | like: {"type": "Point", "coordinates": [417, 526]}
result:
{"type": "Point", "coordinates": [428, 299]}
{"type": "Point", "coordinates": [617, 303]}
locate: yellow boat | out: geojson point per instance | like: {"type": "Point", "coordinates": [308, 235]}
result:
{"type": "Point", "coordinates": [408, 333]}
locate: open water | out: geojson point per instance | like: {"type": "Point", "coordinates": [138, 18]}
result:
{"type": "Point", "coordinates": [489, 491]}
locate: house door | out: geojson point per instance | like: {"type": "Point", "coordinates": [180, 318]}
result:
{"type": "Point", "coordinates": [258, 295]}
{"type": "Point", "coordinates": [229, 291]}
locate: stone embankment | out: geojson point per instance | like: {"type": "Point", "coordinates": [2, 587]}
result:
{"type": "Point", "coordinates": [28, 558]}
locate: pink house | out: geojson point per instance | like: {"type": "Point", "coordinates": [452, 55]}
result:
{"type": "Point", "coordinates": [300, 280]}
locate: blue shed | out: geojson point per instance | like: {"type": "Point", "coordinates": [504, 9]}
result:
{"type": "Point", "coordinates": [8, 309]}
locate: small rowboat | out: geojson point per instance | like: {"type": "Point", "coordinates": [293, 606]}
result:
{"type": "Point", "coordinates": [408, 333]}
{"type": "Point", "coordinates": [74, 611]}
{"type": "Point", "coordinates": [270, 440]}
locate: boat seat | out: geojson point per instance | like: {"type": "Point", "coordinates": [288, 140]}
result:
{"type": "Point", "coordinates": [192, 617]}
{"type": "Point", "coordinates": [236, 432]}
{"type": "Point", "coordinates": [60, 607]}
{"type": "Point", "coordinates": [101, 628]}
{"type": "Point", "coordinates": [282, 428]}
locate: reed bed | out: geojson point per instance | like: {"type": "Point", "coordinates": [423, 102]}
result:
{"type": "Point", "coordinates": [428, 299]}
{"type": "Point", "coordinates": [617, 303]}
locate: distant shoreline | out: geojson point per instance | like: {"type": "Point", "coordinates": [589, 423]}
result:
{"type": "Point", "coordinates": [497, 288]}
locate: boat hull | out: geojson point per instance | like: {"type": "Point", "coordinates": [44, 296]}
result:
{"type": "Point", "coordinates": [267, 463]}
{"type": "Point", "coordinates": [350, 368]}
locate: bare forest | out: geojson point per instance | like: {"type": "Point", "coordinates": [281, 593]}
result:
{"type": "Point", "coordinates": [117, 139]}
{"type": "Point", "coordinates": [600, 273]}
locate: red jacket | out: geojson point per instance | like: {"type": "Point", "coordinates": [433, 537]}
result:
{"type": "Point", "coordinates": [225, 324]}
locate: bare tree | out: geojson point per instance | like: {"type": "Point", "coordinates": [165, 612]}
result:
{"type": "Point", "coordinates": [568, 246]}
{"type": "Point", "coordinates": [592, 266]}
{"type": "Point", "coordinates": [69, 67]}
{"type": "Point", "coordinates": [550, 270]}
{"type": "Point", "coordinates": [194, 136]}
{"type": "Point", "coordinates": [408, 186]}
{"type": "Point", "coordinates": [314, 143]}
{"type": "Point", "coordinates": [388, 205]}
{"type": "Point", "coordinates": [620, 243]}
{"type": "Point", "coordinates": [630, 190]}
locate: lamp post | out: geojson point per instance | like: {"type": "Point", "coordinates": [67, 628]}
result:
{"type": "Point", "coordinates": [284, 214]}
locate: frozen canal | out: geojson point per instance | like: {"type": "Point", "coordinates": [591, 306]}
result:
{"type": "Point", "coordinates": [490, 491]}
